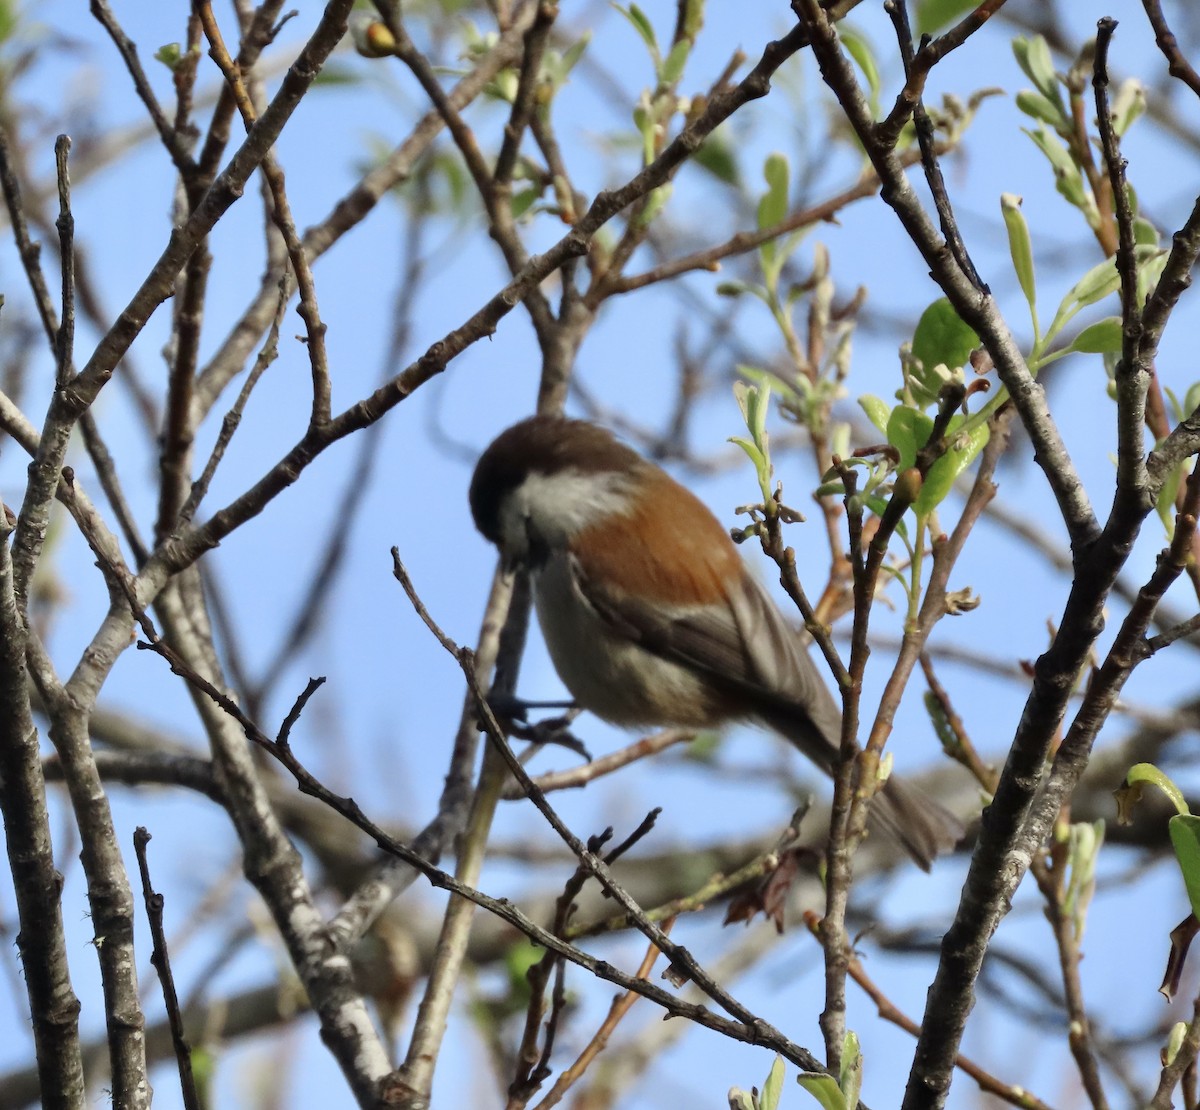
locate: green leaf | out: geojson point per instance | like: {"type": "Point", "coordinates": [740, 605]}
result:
{"type": "Point", "coordinates": [573, 53]}
{"type": "Point", "coordinates": [1185, 839]}
{"type": "Point", "coordinates": [1128, 105]}
{"type": "Point", "coordinates": [877, 504]}
{"type": "Point", "coordinates": [852, 1065]}
{"type": "Point", "coordinates": [655, 203]}
{"type": "Point", "coordinates": [1041, 108]}
{"type": "Point", "coordinates": [876, 409]}
{"type": "Point", "coordinates": [1165, 505]}
{"type": "Point", "coordinates": [839, 439]}
{"type": "Point", "coordinates": [754, 401]}
{"type": "Point", "coordinates": [644, 121]}
{"type": "Point", "coordinates": [942, 336]}
{"type": "Point", "coordinates": [672, 68]}
{"type": "Point", "coordinates": [824, 1089]}
{"type": "Point", "coordinates": [942, 728]}
{"type": "Point", "coordinates": [1033, 56]}
{"type": "Point", "coordinates": [1067, 178]}
{"type": "Point", "coordinates": [932, 15]}
{"type": "Point", "coordinates": [1150, 264]}
{"type": "Point", "coordinates": [204, 1069]}
{"type": "Point", "coordinates": [1177, 412]}
{"type": "Point", "coordinates": [908, 431]}
{"type": "Point", "coordinates": [1099, 338]}
{"type": "Point", "coordinates": [523, 201]}
{"type": "Point", "coordinates": [773, 1087]}
{"type": "Point", "coordinates": [1146, 773]}
{"type": "Point", "coordinates": [1020, 248]}
{"type": "Point", "coordinates": [943, 474]}
{"type": "Point", "coordinates": [733, 288]}
{"type": "Point", "coordinates": [1145, 234]}
{"type": "Point", "coordinates": [10, 12]}
{"type": "Point", "coordinates": [642, 25]}
{"type": "Point", "coordinates": [504, 85]}
{"type": "Point", "coordinates": [772, 208]}
{"type": "Point", "coordinates": [751, 449]}
{"type": "Point", "coordinates": [1101, 281]}
{"type": "Point", "coordinates": [759, 406]}
{"type": "Point", "coordinates": [1053, 148]}
{"type": "Point", "coordinates": [332, 76]}
{"type": "Point", "coordinates": [1085, 842]}
{"type": "Point", "coordinates": [1175, 1041]}
{"type": "Point", "coordinates": [859, 48]}
{"type": "Point", "coordinates": [716, 155]}
{"type": "Point", "coordinates": [169, 54]}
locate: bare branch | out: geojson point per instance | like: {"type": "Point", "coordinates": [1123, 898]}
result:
{"type": "Point", "coordinates": [54, 1008]}
{"type": "Point", "coordinates": [162, 964]}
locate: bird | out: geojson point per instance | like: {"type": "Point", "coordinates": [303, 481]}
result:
{"type": "Point", "coordinates": [649, 613]}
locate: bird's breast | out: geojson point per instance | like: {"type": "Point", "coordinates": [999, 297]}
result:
{"type": "Point", "coordinates": [608, 672]}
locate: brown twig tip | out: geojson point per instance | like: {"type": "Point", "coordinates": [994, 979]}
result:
{"type": "Point", "coordinates": [285, 731]}
{"type": "Point", "coordinates": [645, 827]}
{"type": "Point", "coordinates": [463, 655]}
{"type": "Point", "coordinates": [161, 962]}
{"type": "Point", "coordinates": [1177, 65]}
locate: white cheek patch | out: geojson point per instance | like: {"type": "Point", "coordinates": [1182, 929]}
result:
{"type": "Point", "coordinates": [548, 508]}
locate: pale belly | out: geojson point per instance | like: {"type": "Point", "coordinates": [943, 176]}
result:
{"type": "Point", "coordinates": [608, 674]}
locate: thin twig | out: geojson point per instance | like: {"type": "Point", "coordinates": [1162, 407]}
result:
{"type": "Point", "coordinates": [918, 69]}
{"type": "Point", "coordinates": [37, 883]}
{"type": "Point", "coordinates": [233, 418]}
{"type": "Point", "coordinates": [963, 750]}
{"type": "Point", "coordinates": [681, 959]}
{"type": "Point", "coordinates": [61, 336]}
{"type": "Point", "coordinates": [65, 339]}
{"type": "Point", "coordinates": [1184, 1059]}
{"type": "Point", "coordinates": [898, 10]}
{"type": "Point", "coordinates": [605, 765]}
{"type": "Point", "coordinates": [533, 1067]}
{"type": "Point", "coordinates": [281, 213]}
{"type": "Point", "coordinates": [162, 964]}
{"type": "Point", "coordinates": [752, 1030]}
{"type": "Point", "coordinates": [1132, 376]}
{"type": "Point", "coordinates": [621, 1005]}
{"type": "Point", "coordinates": [1177, 63]}
{"type": "Point", "coordinates": [171, 138]}
{"type": "Point", "coordinates": [1180, 631]}
{"type": "Point", "coordinates": [354, 497]}
{"type": "Point", "coordinates": [349, 210]}
{"type": "Point", "coordinates": [745, 241]}
{"type": "Point", "coordinates": [1051, 878]}
{"type": "Point", "coordinates": [1013, 1093]}
{"type": "Point", "coordinates": [523, 106]}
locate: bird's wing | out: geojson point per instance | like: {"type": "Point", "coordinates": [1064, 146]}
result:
{"type": "Point", "coordinates": [744, 644]}
{"type": "Point", "coordinates": [748, 647]}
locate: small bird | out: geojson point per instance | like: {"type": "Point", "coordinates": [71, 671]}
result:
{"type": "Point", "coordinates": [648, 611]}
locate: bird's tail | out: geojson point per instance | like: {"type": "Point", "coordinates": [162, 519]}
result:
{"type": "Point", "coordinates": [899, 811]}
{"type": "Point", "coordinates": [923, 826]}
